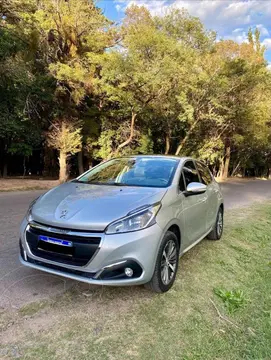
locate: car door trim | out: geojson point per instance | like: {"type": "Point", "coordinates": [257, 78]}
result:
{"type": "Point", "coordinates": [195, 243]}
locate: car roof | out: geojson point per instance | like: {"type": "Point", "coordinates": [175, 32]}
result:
{"type": "Point", "coordinates": [182, 158]}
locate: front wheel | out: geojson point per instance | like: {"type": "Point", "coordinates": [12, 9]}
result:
{"type": "Point", "coordinates": [217, 231]}
{"type": "Point", "coordinates": [166, 265]}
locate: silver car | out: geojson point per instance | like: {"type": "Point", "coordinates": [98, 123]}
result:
{"type": "Point", "coordinates": [124, 222]}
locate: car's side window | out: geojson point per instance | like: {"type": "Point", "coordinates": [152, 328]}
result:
{"type": "Point", "coordinates": [205, 175]}
{"type": "Point", "coordinates": [190, 172]}
{"type": "Point", "coordinates": [181, 183]}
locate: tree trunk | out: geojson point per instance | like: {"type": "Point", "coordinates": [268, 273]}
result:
{"type": "Point", "coordinates": [90, 163]}
{"type": "Point", "coordinates": [62, 167]}
{"type": "Point", "coordinates": [183, 142]}
{"type": "Point", "coordinates": [227, 162]}
{"type": "Point", "coordinates": [268, 173]}
{"type": "Point", "coordinates": [221, 169]}
{"type": "Point", "coordinates": [167, 144]}
{"type": "Point", "coordinates": [130, 138]}
{"type": "Point", "coordinates": [244, 172]}
{"type": "Point", "coordinates": [5, 169]}
{"type": "Point", "coordinates": [80, 162]}
{"type": "Point", "coordinates": [49, 166]}
{"type": "Point", "coordinates": [236, 168]}
{"type": "Point", "coordinates": [24, 167]}
{"type": "Point", "coordinates": [4, 157]}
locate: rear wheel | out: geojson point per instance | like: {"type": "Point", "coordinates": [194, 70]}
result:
{"type": "Point", "coordinates": [166, 265]}
{"type": "Point", "coordinates": [217, 231]}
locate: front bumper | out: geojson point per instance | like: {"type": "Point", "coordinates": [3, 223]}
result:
{"type": "Point", "coordinates": [116, 251]}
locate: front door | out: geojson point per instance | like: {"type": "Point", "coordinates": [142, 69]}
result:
{"type": "Point", "coordinates": [194, 207]}
{"type": "Point", "coordinates": [207, 179]}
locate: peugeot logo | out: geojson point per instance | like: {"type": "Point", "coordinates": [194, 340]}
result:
{"type": "Point", "coordinates": [63, 214]}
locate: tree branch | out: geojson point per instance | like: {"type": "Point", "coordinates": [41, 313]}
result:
{"type": "Point", "coordinates": [126, 142]}
{"type": "Point", "coordinates": [223, 317]}
{"type": "Point", "coordinates": [183, 142]}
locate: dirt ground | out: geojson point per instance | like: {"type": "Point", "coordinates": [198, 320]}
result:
{"type": "Point", "coordinates": [11, 184]}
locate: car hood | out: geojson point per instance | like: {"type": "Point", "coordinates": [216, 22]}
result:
{"type": "Point", "coordinates": [91, 207]}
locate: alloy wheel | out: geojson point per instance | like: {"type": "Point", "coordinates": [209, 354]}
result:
{"type": "Point", "coordinates": [168, 262]}
{"type": "Point", "coordinates": [219, 224]}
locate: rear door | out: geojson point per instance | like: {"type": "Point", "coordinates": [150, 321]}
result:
{"type": "Point", "coordinates": [207, 179]}
{"type": "Point", "coordinates": [194, 206]}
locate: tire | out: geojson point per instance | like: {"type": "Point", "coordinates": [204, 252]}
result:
{"type": "Point", "coordinates": [163, 276]}
{"type": "Point", "coordinates": [217, 231]}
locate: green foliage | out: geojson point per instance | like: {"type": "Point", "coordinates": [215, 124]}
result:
{"type": "Point", "coordinates": [65, 136]}
{"type": "Point", "coordinates": [187, 110]}
{"type": "Point", "coordinates": [105, 144]}
{"type": "Point", "coordinates": [233, 300]}
{"type": "Point", "coordinates": [210, 151]}
{"type": "Point", "coordinates": [73, 32]}
{"type": "Point", "coordinates": [24, 138]}
{"type": "Point", "coordinates": [145, 145]}
{"type": "Point", "coordinates": [151, 84]}
{"type": "Point", "coordinates": [181, 26]}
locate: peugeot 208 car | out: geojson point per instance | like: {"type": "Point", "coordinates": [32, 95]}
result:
{"type": "Point", "coordinates": [124, 222]}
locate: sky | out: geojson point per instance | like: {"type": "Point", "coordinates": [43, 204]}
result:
{"type": "Point", "coordinates": [231, 19]}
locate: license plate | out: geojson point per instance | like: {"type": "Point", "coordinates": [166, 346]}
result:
{"type": "Point", "coordinates": [55, 241]}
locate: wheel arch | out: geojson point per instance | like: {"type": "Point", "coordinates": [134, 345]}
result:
{"type": "Point", "coordinates": [177, 231]}
{"type": "Point", "coordinates": [173, 226]}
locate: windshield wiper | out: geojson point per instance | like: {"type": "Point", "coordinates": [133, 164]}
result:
{"type": "Point", "coordinates": [100, 183]}
{"type": "Point", "coordinates": [90, 182]}
{"type": "Point", "coordinates": [118, 184]}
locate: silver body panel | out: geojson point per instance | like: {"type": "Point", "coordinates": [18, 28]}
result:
{"type": "Point", "coordinates": [91, 208]}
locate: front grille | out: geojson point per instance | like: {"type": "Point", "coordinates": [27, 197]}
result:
{"type": "Point", "coordinates": [61, 268]}
{"type": "Point", "coordinates": [79, 254]}
{"type": "Point", "coordinates": [79, 239]}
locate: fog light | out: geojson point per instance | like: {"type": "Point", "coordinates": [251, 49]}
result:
{"type": "Point", "coordinates": [128, 272]}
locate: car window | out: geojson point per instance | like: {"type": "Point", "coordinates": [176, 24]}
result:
{"type": "Point", "coordinates": [190, 173]}
{"type": "Point", "coordinates": [133, 171]}
{"type": "Point", "coordinates": [204, 172]}
{"type": "Point", "coordinates": [181, 183]}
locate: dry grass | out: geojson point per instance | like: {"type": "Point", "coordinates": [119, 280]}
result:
{"type": "Point", "coordinates": [26, 184]}
{"type": "Point", "coordinates": [103, 323]}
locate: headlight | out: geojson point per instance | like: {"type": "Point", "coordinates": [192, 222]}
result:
{"type": "Point", "coordinates": [138, 220]}
{"type": "Point", "coordinates": [29, 211]}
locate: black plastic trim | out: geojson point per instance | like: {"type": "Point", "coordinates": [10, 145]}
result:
{"type": "Point", "coordinates": [61, 268]}
{"type": "Point", "coordinates": [116, 272]}
{"type": "Point", "coordinates": [79, 254]}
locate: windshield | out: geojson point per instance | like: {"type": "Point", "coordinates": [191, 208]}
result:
{"type": "Point", "coordinates": [147, 171]}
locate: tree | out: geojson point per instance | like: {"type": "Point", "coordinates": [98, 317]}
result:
{"type": "Point", "coordinates": [65, 136]}
{"type": "Point", "coordinates": [179, 25]}
{"type": "Point", "coordinates": [139, 76]}
{"type": "Point", "coordinates": [188, 35]}
{"type": "Point", "coordinates": [153, 84]}
{"type": "Point", "coordinates": [218, 104]}
{"type": "Point", "coordinates": [74, 35]}
{"type": "Point", "coordinates": [245, 72]}
{"type": "Point", "coordinates": [25, 89]}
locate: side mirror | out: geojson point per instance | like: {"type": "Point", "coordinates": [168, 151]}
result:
{"type": "Point", "coordinates": [195, 188]}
